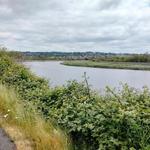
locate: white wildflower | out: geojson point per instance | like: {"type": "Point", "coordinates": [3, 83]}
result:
{"type": "Point", "coordinates": [5, 116]}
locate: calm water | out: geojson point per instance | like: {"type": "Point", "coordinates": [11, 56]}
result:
{"type": "Point", "coordinates": [58, 74]}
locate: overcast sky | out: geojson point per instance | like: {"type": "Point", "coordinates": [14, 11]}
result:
{"type": "Point", "coordinates": [75, 25]}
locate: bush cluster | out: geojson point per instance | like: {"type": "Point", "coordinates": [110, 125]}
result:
{"type": "Point", "coordinates": [114, 121]}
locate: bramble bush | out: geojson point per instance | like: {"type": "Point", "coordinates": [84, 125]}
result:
{"type": "Point", "coordinates": [115, 121]}
{"type": "Point", "coordinates": [30, 87]}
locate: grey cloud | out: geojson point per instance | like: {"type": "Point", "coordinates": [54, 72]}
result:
{"type": "Point", "coordinates": [74, 25]}
{"type": "Point", "coordinates": [107, 4]}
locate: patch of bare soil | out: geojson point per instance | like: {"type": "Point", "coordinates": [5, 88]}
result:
{"type": "Point", "coordinates": [5, 141]}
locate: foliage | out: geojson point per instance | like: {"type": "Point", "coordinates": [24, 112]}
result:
{"type": "Point", "coordinates": [16, 55]}
{"type": "Point", "coordinates": [31, 90]}
{"type": "Point", "coordinates": [30, 87]}
{"type": "Point", "coordinates": [113, 121]}
{"type": "Point", "coordinates": [24, 120]}
{"type": "Point", "coordinates": [116, 120]}
{"type": "Point", "coordinates": [124, 58]}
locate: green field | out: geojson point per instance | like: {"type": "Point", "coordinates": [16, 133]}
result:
{"type": "Point", "coordinates": [114, 65]}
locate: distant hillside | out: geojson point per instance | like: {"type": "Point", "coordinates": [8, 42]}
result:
{"type": "Point", "coordinates": [67, 55]}
{"type": "Point", "coordinates": [94, 56]}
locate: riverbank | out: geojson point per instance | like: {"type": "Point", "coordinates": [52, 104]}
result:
{"type": "Point", "coordinates": [22, 128]}
{"type": "Point", "coordinates": [111, 65]}
{"type": "Point", "coordinates": [116, 120]}
{"type": "Point", "coordinates": [22, 109]}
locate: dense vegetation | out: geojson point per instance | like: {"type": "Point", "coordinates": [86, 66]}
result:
{"type": "Point", "coordinates": [22, 115]}
{"type": "Point", "coordinates": [115, 121]}
{"type": "Point", "coordinates": [124, 58]}
{"type": "Point", "coordinates": [12, 54]}
{"type": "Point", "coordinates": [109, 64]}
{"type": "Point", "coordinates": [26, 128]}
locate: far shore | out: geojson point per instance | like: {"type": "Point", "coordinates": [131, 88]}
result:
{"type": "Point", "coordinates": [109, 65]}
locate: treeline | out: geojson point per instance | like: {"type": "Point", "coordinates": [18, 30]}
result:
{"type": "Point", "coordinates": [114, 121]}
{"type": "Point", "coordinates": [94, 56]}
{"type": "Point", "coordinates": [64, 55]}
{"type": "Point", "coordinates": [125, 58]}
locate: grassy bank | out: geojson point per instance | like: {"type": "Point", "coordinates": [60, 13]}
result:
{"type": "Point", "coordinates": [21, 111]}
{"type": "Point", "coordinates": [25, 127]}
{"type": "Point", "coordinates": [113, 65]}
{"type": "Point", "coordinates": [114, 121]}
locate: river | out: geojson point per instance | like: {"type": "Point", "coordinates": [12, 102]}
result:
{"type": "Point", "coordinates": [99, 78]}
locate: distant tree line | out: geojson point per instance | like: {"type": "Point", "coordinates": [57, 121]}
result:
{"type": "Point", "coordinates": [125, 58]}
{"type": "Point", "coordinates": [94, 56]}
{"type": "Point", "coordinates": [64, 55]}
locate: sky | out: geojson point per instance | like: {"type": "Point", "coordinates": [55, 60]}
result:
{"type": "Point", "coordinates": [75, 25]}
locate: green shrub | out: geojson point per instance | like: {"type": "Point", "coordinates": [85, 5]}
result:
{"type": "Point", "coordinates": [26, 124]}
{"type": "Point", "coordinates": [114, 121]}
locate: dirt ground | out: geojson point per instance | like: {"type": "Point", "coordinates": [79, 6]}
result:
{"type": "Point", "coordinates": [5, 142]}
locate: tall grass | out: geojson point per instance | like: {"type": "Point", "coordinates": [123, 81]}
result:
{"type": "Point", "coordinates": [109, 64]}
{"type": "Point", "coordinates": [21, 117]}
